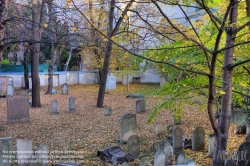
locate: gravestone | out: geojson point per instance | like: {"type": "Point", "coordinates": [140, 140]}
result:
{"type": "Point", "coordinates": [177, 139]}
{"type": "Point", "coordinates": [5, 148]}
{"type": "Point", "coordinates": [9, 90]}
{"type": "Point", "coordinates": [65, 89]}
{"type": "Point", "coordinates": [42, 155]}
{"type": "Point", "coordinates": [159, 158]}
{"type": "Point", "coordinates": [238, 116]}
{"type": "Point", "coordinates": [140, 106]}
{"type": "Point", "coordinates": [54, 107]}
{"type": "Point", "coordinates": [163, 80]}
{"type": "Point", "coordinates": [111, 82]}
{"type": "Point", "coordinates": [4, 82]}
{"type": "Point", "coordinates": [72, 104]}
{"type": "Point", "coordinates": [161, 144]}
{"type": "Point", "coordinates": [145, 162]}
{"type": "Point", "coordinates": [24, 151]}
{"type": "Point", "coordinates": [189, 162]}
{"type": "Point", "coordinates": [168, 155]}
{"type": "Point", "coordinates": [108, 112]}
{"type": "Point", "coordinates": [248, 138]}
{"type": "Point", "coordinates": [179, 158]}
{"type": "Point", "coordinates": [198, 139]}
{"type": "Point", "coordinates": [134, 145]}
{"type": "Point", "coordinates": [243, 153]}
{"type": "Point", "coordinates": [18, 109]}
{"type": "Point", "coordinates": [211, 139]}
{"type": "Point", "coordinates": [128, 127]}
{"type": "Point", "coordinates": [159, 129]}
{"type": "Point", "coordinates": [177, 120]}
{"type": "Point", "coordinates": [240, 129]}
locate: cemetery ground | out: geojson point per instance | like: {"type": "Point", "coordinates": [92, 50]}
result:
{"type": "Point", "coordinates": [83, 132]}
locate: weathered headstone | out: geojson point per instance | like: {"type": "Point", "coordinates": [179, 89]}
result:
{"type": "Point", "coordinates": [128, 127]}
{"type": "Point", "coordinates": [163, 80]}
{"type": "Point", "coordinates": [248, 138]}
{"type": "Point", "coordinates": [140, 106]}
{"type": "Point", "coordinates": [211, 139]}
{"type": "Point", "coordinates": [10, 90]}
{"type": "Point", "coordinates": [111, 82]}
{"type": "Point", "coordinates": [177, 139]}
{"type": "Point", "coordinates": [168, 155]}
{"type": "Point", "coordinates": [159, 158]}
{"type": "Point", "coordinates": [4, 82]}
{"type": "Point", "coordinates": [108, 112]}
{"type": "Point", "coordinates": [134, 145]}
{"type": "Point", "coordinates": [72, 104]}
{"type": "Point", "coordinates": [189, 162]}
{"type": "Point", "coordinates": [198, 139]}
{"type": "Point", "coordinates": [65, 89]}
{"type": "Point", "coordinates": [145, 162]}
{"type": "Point", "coordinates": [243, 153]}
{"type": "Point", "coordinates": [18, 109]}
{"type": "Point", "coordinates": [159, 129]}
{"type": "Point", "coordinates": [179, 158]}
{"type": "Point", "coordinates": [5, 148]}
{"type": "Point", "coordinates": [54, 107]}
{"type": "Point", "coordinates": [161, 144]}
{"type": "Point", "coordinates": [24, 151]}
{"type": "Point", "coordinates": [42, 155]}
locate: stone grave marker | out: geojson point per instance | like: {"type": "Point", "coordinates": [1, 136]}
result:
{"type": "Point", "coordinates": [54, 107]}
{"type": "Point", "coordinates": [243, 153]}
{"type": "Point", "coordinates": [159, 129]}
{"type": "Point", "coordinates": [168, 155]}
{"type": "Point", "coordinates": [65, 89]}
{"type": "Point", "coordinates": [163, 80]}
{"type": "Point", "coordinates": [248, 138]}
{"type": "Point", "coordinates": [161, 144]}
{"type": "Point", "coordinates": [145, 162]}
{"type": "Point", "coordinates": [72, 104]}
{"type": "Point", "coordinates": [163, 156]}
{"type": "Point", "coordinates": [24, 151]}
{"type": "Point", "coordinates": [140, 106]}
{"type": "Point", "coordinates": [4, 82]}
{"type": "Point", "coordinates": [177, 139]}
{"type": "Point", "coordinates": [5, 148]}
{"type": "Point", "coordinates": [179, 158]}
{"type": "Point", "coordinates": [10, 90]}
{"type": "Point", "coordinates": [18, 109]}
{"type": "Point", "coordinates": [198, 139]}
{"type": "Point", "coordinates": [211, 139]}
{"type": "Point", "coordinates": [108, 112]}
{"type": "Point", "coordinates": [41, 155]}
{"type": "Point", "coordinates": [134, 145]}
{"type": "Point", "coordinates": [128, 127]}
{"type": "Point", "coordinates": [189, 162]}
{"type": "Point", "coordinates": [111, 82]}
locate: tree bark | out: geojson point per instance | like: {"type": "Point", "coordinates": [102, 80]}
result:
{"type": "Point", "coordinates": [221, 137]}
{"type": "Point", "coordinates": [35, 57]}
{"type": "Point", "coordinates": [25, 65]}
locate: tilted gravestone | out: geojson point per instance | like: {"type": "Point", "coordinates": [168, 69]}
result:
{"type": "Point", "coordinates": [145, 162]}
{"type": "Point", "coordinates": [243, 153]}
{"type": "Point", "coordinates": [189, 162]}
{"type": "Point", "coordinates": [211, 139]}
{"type": "Point", "coordinates": [198, 139]}
{"type": "Point", "coordinates": [140, 106]}
{"type": "Point", "coordinates": [54, 107]}
{"type": "Point", "coordinates": [128, 127]}
{"type": "Point", "coordinates": [18, 109]}
{"type": "Point", "coordinates": [179, 158]}
{"type": "Point", "coordinates": [65, 89]}
{"type": "Point", "coordinates": [5, 148]}
{"type": "Point", "coordinates": [42, 155]}
{"type": "Point", "coordinates": [134, 145]}
{"type": "Point", "coordinates": [177, 139]}
{"type": "Point", "coordinates": [24, 152]}
{"type": "Point", "coordinates": [159, 129]}
{"type": "Point", "coordinates": [72, 104]}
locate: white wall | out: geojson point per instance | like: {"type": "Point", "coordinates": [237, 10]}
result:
{"type": "Point", "coordinates": [79, 77]}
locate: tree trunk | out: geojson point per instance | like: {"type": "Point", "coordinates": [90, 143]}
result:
{"type": "Point", "coordinates": [108, 50]}
{"type": "Point", "coordinates": [54, 50]}
{"type": "Point", "coordinates": [25, 65]}
{"type": "Point", "coordinates": [3, 16]}
{"type": "Point", "coordinates": [35, 57]}
{"type": "Point", "coordinates": [221, 137]}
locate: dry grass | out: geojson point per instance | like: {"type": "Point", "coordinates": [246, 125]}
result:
{"type": "Point", "coordinates": [87, 130]}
